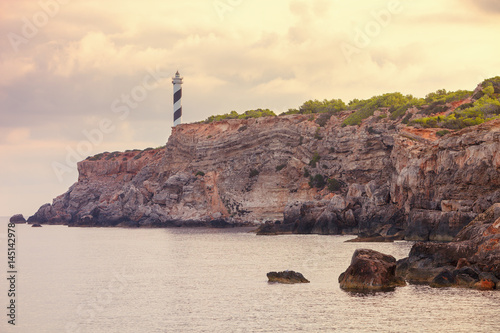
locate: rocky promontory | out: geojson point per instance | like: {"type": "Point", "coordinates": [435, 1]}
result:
{"type": "Point", "coordinates": [300, 173]}
{"type": "Point", "coordinates": [472, 260]}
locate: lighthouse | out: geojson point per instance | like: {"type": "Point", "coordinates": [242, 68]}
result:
{"type": "Point", "coordinates": [177, 82]}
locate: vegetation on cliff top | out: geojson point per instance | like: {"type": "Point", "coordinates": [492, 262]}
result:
{"type": "Point", "coordinates": [486, 106]}
{"type": "Point", "coordinates": [245, 115]}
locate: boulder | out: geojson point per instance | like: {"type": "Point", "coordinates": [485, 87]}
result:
{"type": "Point", "coordinates": [286, 277]}
{"type": "Point", "coordinates": [36, 225]}
{"type": "Point", "coordinates": [18, 218]}
{"type": "Point", "coordinates": [370, 271]}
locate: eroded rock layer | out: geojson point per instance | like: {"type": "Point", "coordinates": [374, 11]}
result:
{"type": "Point", "coordinates": [380, 177]}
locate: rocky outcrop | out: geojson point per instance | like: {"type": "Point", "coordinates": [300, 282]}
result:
{"type": "Point", "coordinates": [378, 238]}
{"type": "Point", "coordinates": [18, 218]}
{"type": "Point", "coordinates": [381, 176]}
{"type": "Point", "coordinates": [472, 260]}
{"type": "Point", "coordinates": [286, 277]}
{"type": "Point", "coordinates": [370, 271]}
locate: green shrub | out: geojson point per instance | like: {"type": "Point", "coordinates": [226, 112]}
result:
{"type": "Point", "coordinates": [314, 106]}
{"type": "Point", "coordinates": [200, 173]}
{"type": "Point", "coordinates": [96, 157]}
{"type": "Point", "coordinates": [435, 107]}
{"type": "Point", "coordinates": [317, 181]}
{"type": "Point", "coordinates": [317, 134]}
{"type": "Point", "coordinates": [253, 173]}
{"type": "Point", "coordinates": [334, 185]}
{"type": "Point", "coordinates": [245, 115]}
{"type": "Point", "coordinates": [306, 173]}
{"type": "Point", "coordinates": [405, 120]}
{"type": "Point", "coordinates": [442, 133]}
{"type": "Point", "coordinates": [113, 155]}
{"type": "Point", "coordinates": [242, 128]}
{"type": "Point", "coordinates": [489, 90]}
{"type": "Point", "coordinates": [442, 96]}
{"type": "Point", "coordinates": [280, 167]}
{"type": "Point", "coordinates": [365, 108]}
{"type": "Point", "coordinates": [323, 119]}
{"type": "Point", "coordinates": [315, 159]}
{"type": "Point", "coordinates": [483, 109]}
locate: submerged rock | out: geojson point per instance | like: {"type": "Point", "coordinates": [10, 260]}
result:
{"type": "Point", "coordinates": [18, 218]}
{"type": "Point", "coordinates": [370, 271]}
{"type": "Point", "coordinates": [286, 277]}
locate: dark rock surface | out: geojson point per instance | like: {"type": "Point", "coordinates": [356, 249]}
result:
{"type": "Point", "coordinates": [378, 238]}
{"type": "Point", "coordinates": [18, 218]}
{"type": "Point", "coordinates": [286, 277]}
{"type": "Point", "coordinates": [36, 225]}
{"type": "Point", "coordinates": [370, 271]}
{"type": "Point", "coordinates": [472, 260]}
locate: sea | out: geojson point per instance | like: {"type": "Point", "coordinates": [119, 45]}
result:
{"type": "Point", "coordinates": [213, 280]}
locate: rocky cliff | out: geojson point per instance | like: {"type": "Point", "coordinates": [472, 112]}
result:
{"type": "Point", "coordinates": [381, 176]}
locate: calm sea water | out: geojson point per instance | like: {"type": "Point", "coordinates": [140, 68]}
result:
{"type": "Point", "coordinates": [200, 280]}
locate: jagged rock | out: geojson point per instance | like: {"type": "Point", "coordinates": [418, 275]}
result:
{"type": "Point", "coordinates": [18, 218]}
{"type": "Point", "coordinates": [472, 260]}
{"type": "Point", "coordinates": [435, 225]}
{"type": "Point", "coordinates": [370, 271]}
{"type": "Point", "coordinates": [286, 277]}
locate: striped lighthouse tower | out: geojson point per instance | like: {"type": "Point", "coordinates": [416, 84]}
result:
{"type": "Point", "coordinates": [177, 81]}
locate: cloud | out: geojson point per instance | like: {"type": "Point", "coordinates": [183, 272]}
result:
{"type": "Point", "coordinates": [262, 54]}
{"type": "Point", "coordinates": [489, 6]}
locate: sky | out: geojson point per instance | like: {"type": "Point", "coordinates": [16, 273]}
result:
{"type": "Point", "coordinates": [79, 77]}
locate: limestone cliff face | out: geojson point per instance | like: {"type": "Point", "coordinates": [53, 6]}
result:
{"type": "Point", "coordinates": [391, 177]}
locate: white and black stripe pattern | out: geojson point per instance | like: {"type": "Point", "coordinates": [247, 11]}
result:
{"type": "Point", "coordinates": [177, 81]}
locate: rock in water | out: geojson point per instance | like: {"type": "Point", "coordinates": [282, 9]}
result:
{"type": "Point", "coordinates": [471, 261]}
{"type": "Point", "coordinates": [287, 277]}
{"type": "Point", "coordinates": [370, 271]}
{"type": "Point", "coordinates": [18, 218]}
{"type": "Point", "coordinates": [36, 225]}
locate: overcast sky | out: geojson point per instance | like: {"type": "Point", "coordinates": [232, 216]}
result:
{"type": "Point", "coordinates": [79, 77]}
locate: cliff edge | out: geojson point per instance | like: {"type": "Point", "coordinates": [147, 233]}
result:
{"type": "Point", "coordinates": [295, 173]}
